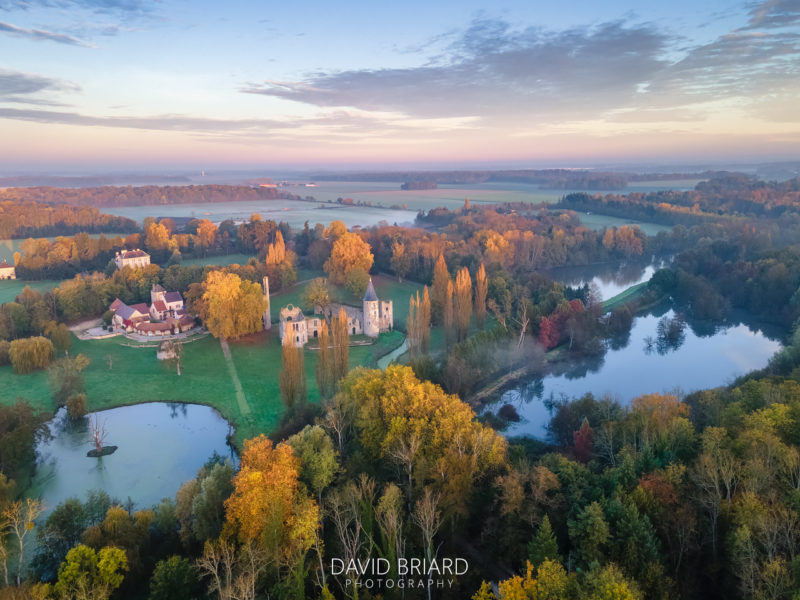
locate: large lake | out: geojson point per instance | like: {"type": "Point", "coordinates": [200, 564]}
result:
{"type": "Point", "coordinates": [708, 357]}
{"type": "Point", "coordinates": [161, 445]}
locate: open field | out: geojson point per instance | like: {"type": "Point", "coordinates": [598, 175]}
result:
{"type": "Point", "coordinates": [222, 260]}
{"type": "Point", "coordinates": [597, 222]}
{"type": "Point", "coordinates": [135, 375]}
{"type": "Point", "coordinates": [10, 288]}
{"type": "Point", "coordinates": [626, 296]}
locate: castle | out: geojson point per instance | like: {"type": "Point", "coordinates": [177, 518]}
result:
{"type": "Point", "coordinates": [165, 316]}
{"type": "Point", "coordinates": [375, 316]}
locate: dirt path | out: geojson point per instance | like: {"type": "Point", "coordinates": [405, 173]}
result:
{"type": "Point", "coordinates": [244, 408]}
{"type": "Point", "coordinates": [83, 325]}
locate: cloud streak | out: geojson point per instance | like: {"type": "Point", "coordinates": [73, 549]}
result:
{"type": "Point", "coordinates": [499, 74]}
{"type": "Point", "coordinates": [41, 35]}
{"type": "Point", "coordinates": [28, 88]}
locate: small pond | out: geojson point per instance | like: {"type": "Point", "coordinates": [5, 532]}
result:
{"type": "Point", "coordinates": [160, 445]}
{"type": "Point", "coordinates": [704, 356]}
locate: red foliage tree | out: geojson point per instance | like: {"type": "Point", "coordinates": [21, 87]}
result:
{"type": "Point", "coordinates": [583, 440]}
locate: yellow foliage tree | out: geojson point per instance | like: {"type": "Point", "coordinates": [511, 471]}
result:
{"type": "Point", "coordinates": [429, 434]}
{"type": "Point", "coordinates": [349, 252]}
{"type": "Point", "coordinates": [462, 303]}
{"type": "Point", "coordinates": [230, 306]}
{"type": "Point", "coordinates": [481, 291]}
{"type": "Point", "coordinates": [269, 506]}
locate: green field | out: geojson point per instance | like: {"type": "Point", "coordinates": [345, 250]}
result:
{"type": "Point", "coordinates": [626, 296]}
{"type": "Point", "coordinates": [223, 260]}
{"type": "Point", "coordinates": [135, 375]}
{"type": "Point", "coordinates": [597, 222]}
{"type": "Point", "coordinates": [10, 288]}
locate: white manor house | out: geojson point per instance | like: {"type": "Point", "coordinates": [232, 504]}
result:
{"type": "Point", "coordinates": [376, 316]}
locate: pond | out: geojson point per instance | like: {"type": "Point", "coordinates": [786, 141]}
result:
{"type": "Point", "coordinates": [705, 356]}
{"type": "Point", "coordinates": [160, 445]}
{"type": "Point", "coordinates": [611, 278]}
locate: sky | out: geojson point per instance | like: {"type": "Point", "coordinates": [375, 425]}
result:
{"type": "Point", "coordinates": [196, 84]}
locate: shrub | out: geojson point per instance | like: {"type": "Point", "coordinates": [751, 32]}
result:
{"type": "Point", "coordinates": [76, 406]}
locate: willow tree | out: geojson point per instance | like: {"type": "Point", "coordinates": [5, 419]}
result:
{"type": "Point", "coordinates": [293, 374]}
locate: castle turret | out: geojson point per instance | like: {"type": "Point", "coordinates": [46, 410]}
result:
{"type": "Point", "coordinates": [267, 315]}
{"type": "Point", "coordinates": [372, 322]}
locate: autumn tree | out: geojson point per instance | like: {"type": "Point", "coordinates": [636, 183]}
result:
{"type": "Point", "coordinates": [66, 377]}
{"type": "Point", "coordinates": [441, 277]}
{"type": "Point", "coordinates": [157, 237]}
{"type": "Point", "coordinates": [276, 252]}
{"type": "Point", "coordinates": [89, 575]}
{"type": "Point", "coordinates": [462, 303]}
{"type": "Point", "coordinates": [19, 519]}
{"type": "Point", "coordinates": [448, 319]}
{"type": "Point", "coordinates": [324, 368]}
{"type": "Point", "coordinates": [418, 323]}
{"type": "Point", "coordinates": [317, 294]}
{"type": "Point", "coordinates": [341, 345]}
{"type": "Point", "coordinates": [270, 508]}
{"type": "Point", "coordinates": [28, 354]}
{"type": "Point", "coordinates": [429, 435]}
{"type": "Point", "coordinates": [293, 374]}
{"type": "Point", "coordinates": [401, 260]}
{"type": "Point", "coordinates": [206, 234]}
{"type": "Point", "coordinates": [59, 334]}
{"type": "Point", "coordinates": [481, 291]}
{"type": "Point", "coordinates": [349, 252]}
{"type": "Point", "coordinates": [231, 307]}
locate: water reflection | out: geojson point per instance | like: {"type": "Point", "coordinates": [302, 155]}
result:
{"type": "Point", "coordinates": [160, 445]}
{"type": "Point", "coordinates": [702, 356]}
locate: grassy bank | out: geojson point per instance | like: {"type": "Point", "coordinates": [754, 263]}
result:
{"type": "Point", "coordinates": [121, 374]}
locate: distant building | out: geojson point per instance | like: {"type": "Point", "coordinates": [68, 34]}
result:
{"type": "Point", "coordinates": [166, 315]}
{"type": "Point", "coordinates": [7, 271]}
{"type": "Point", "coordinates": [132, 258]}
{"type": "Point", "coordinates": [376, 316]}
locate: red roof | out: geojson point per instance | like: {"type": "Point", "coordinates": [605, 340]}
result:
{"type": "Point", "coordinates": [148, 326]}
{"type": "Point", "coordinates": [134, 254]}
{"type": "Point", "coordinates": [159, 306]}
{"type": "Point", "coordinates": [115, 305]}
{"type": "Point", "coordinates": [141, 307]}
{"type": "Point", "coordinates": [5, 265]}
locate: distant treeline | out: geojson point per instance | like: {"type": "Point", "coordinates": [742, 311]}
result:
{"type": "Point", "coordinates": [419, 185]}
{"type": "Point", "coordinates": [548, 178]}
{"type": "Point", "coordinates": [88, 180]}
{"type": "Point", "coordinates": [729, 194]}
{"type": "Point", "coordinates": [22, 217]}
{"type": "Point", "coordinates": [146, 195]}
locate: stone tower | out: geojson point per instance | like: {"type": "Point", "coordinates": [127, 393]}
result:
{"type": "Point", "coordinates": [372, 323]}
{"type": "Point", "coordinates": [267, 315]}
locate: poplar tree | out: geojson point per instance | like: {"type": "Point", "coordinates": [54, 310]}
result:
{"type": "Point", "coordinates": [293, 376]}
{"type": "Point", "coordinates": [418, 324]}
{"type": "Point", "coordinates": [462, 303]}
{"type": "Point", "coordinates": [481, 290]}
{"type": "Point", "coordinates": [325, 363]}
{"type": "Point", "coordinates": [441, 277]}
{"type": "Point", "coordinates": [448, 313]}
{"type": "Point", "coordinates": [341, 345]}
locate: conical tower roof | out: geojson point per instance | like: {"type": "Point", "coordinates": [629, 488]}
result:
{"type": "Point", "coordinates": [370, 295]}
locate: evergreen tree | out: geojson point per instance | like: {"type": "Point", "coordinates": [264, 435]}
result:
{"type": "Point", "coordinates": [543, 546]}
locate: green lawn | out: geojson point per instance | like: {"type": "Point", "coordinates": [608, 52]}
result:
{"type": "Point", "coordinates": [11, 288]}
{"type": "Point", "coordinates": [223, 260]}
{"type": "Point", "coordinates": [625, 296]}
{"type": "Point", "coordinates": [136, 375]}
